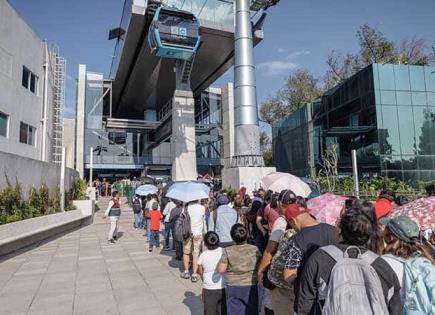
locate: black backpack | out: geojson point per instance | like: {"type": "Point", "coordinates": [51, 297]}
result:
{"type": "Point", "coordinates": [182, 228]}
{"type": "Point", "coordinates": [136, 206]}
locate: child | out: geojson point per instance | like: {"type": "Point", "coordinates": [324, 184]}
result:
{"type": "Point", "coordinates": [154, 216]}
{"type": "Point", "coordinates": [240, 263]}
{"type": "Point", "coordinates": [213, 287]}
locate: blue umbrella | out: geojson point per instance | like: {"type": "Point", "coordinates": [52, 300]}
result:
{"type": "Point", "coordinates": [145, 190]}
{"type": "Point", "coordinates": [188, 191]}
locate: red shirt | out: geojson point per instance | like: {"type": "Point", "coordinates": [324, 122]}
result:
{"type": "Point", "coordinates": [383, 207]}
{"type": "Point", "coordinates": [155, 216]}
{"type": "Point", "coordinates": [270, 215]}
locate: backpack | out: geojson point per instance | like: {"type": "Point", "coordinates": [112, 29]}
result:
{"type": "Point", "coordinates": [182, 228]}
{"type": "Point", "coordinates": [419, 281]}
{"type": "Point", "coordinates": [215, 215]}
{"type": "Point", "coordinates": [136, 206]}
{"type": "Point", "coordinates": [353, 285]}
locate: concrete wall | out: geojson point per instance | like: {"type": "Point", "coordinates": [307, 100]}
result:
{"type": "Point", "coordinates": [80, 120]}
{"type": "Point", "coordinates": [19, 46]}
{"type": "Point", "coordinates": [69, 140]}
{"type": "Point", "coordinates": [30, 172]}
{"type": "Point", "coordinates": [162, 153]}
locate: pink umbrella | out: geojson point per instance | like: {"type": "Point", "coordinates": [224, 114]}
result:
{"type": "Point", "coordinates": [421, 210]}
{"type": "Point", "coordinates": [327, 207]}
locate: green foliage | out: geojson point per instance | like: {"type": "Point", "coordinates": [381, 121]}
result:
{"type": "Point", "coordinates": [231, 192]}
{"type": "Point", "coordinates": [44, 199]}
{"type": "Point", "coordinates": [370, 188]}
{"type": "Point", "coordinates": [55, 200]}
{"type": "Point", "coordinates": [10, 203]}
{"type": "Point", "coordinates": [79, 189]}
{"type": "Point", "coordinates": [268, 158]}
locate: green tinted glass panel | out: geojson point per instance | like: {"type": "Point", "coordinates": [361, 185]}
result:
{"type": "Point", "coordinates": [430, 78]}
{"type": "Point", "coordinates": [406, 130]}
{"type": "Point", "coordinates": [388, 97]}
{"type": "Point", "coordinates": [403, 98]}
{"type": "Point", "coordinates": [3, 125]}
{"type": "Point", "coordinates": [417, 78]}
{"type": "Point", "coordinates": [386, 77]}
{"type": "Point", "coordinates": [430, 98]}
{"type": "Point", "coordinates": [419, 98]}
{"type": "Point", "coordinates": [401, 74]}
{"type": "Point", "coordinates": [390, 130]}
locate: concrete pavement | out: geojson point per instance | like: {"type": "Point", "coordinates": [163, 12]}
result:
{"type": "Point", "coordinates": [81, 273]}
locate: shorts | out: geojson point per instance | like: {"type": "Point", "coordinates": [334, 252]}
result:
{"type": "Point", "coordinates": [192, 245]}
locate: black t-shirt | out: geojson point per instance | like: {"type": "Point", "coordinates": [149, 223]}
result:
{"type": "Point", "coordinates": [320, 267]}
{"type": "Point", "coordinates": [303, 244]}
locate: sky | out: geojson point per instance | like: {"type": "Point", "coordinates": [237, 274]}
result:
{"type": "Point", "coordinates": [297, 33]}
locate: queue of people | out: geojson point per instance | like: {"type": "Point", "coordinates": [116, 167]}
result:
{"type": "Point", "coordinates": [270, 255]}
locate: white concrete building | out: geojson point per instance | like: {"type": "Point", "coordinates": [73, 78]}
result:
{"type": "Point", "coordinates": [30, 93]}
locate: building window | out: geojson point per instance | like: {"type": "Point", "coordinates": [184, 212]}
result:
{"type": "Point", "coordinates": [4, 119]}
{"type": "Point", "coordinates": [30, 81]}
{"type": "Point", "coordinates": [27, 134]}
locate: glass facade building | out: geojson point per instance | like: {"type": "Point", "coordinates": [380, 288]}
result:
{"type": "Point", "coordinates": [386, 112]}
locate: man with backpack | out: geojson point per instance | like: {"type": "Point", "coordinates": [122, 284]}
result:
{"type": "Point", "coordinates": [222, 219]}
{"type": "Point", "coordinates": [348, 278]}
{"type": "Point", "coordinates": [137, 210]}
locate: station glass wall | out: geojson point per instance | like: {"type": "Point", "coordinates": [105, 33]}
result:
{"type": "Point", "coordinates": [385, 112]}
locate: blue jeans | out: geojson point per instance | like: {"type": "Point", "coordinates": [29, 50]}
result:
{"type": "Point", "coordinates": [137, 220]}
{"type": "Point", "coordinates": [168, 230]}
{"type": "Point", "coordinates": [148, 228]}
{"type": "Point", "coordinates": [154, 239]}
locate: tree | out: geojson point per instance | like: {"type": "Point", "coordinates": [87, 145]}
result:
{"type": "Point", "coordinates": [266, 149]}
{"type": "Point", "coordinates": [413, 52]}
{"type": "Point", "coordinates": [301, 87]}
{"type": "Point", "coordinates": [329, 166]}
{"type": "Point", "coordinates": [341, 67]}
{"type": "Point", "coordinates": [374, 46]}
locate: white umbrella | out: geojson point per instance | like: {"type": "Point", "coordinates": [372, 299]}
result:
{"type": "Point", "coordinates": [278, 181]}
{"type": "Point", "coordinates": [188, 191]}
{"type": "Point", "coordinates": [145, 190]}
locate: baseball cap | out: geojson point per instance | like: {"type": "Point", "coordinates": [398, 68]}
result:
{"type": "Point", "coordinates": [293, 210]}
{"type": "Point", "coordinates": [403, 227]}
{"type": "Point", "coordinates": [155, 205]}
{"type": "Point", "coordinates": [287, 196]}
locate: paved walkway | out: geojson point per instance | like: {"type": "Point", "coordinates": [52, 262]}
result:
{"type": "Point", "coordinates": [80, 273]}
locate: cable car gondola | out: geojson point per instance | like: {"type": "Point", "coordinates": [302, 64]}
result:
{"type": "Point", "coordinates": [174, 34]}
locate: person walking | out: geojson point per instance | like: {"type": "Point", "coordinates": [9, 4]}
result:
{"type": "Point", "coordinates": [213, 285]}
{"type": "Point", "coordinates": [346, 278]}
{"type": "Point", "coordinates": [137, 211]}
{"type": "Point", "coordinates": [222, 219]}
{"type": "Point", "coordinates": [168, 227]}
{"type": "Point", "coordinates": [113, 212]}
{"type": "Point", "coordinates": [192, 245]}
{"type": "Point", "coordinates": [154, 216]}
{"type": "Point", "coordinates": [239, 264]}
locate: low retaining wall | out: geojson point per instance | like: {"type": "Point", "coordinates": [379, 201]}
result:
{"type": "Point", "coordinates": [16, 235]}
{"type": "Point", "coordinates": [31, 172]}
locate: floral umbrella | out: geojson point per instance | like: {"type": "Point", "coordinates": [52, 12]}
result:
{"type": "Point", "coordinates": [421, 210]}
{"type": "Point", "coordinates": [327, 207]}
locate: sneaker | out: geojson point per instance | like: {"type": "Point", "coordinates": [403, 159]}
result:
{"type": "Point", "coordinates": [115, 238]}
{"type": "Point", "coordinates": [167, 248]}
{"type": "Point", "coordinates": [150, 250]}
{"type": "Point", "coordinates": [185, 275]}
{"type": "Point", "coordinates": [194, 278]}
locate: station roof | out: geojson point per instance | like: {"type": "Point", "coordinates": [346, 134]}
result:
{"type": "Point", "coordinates": [143, 81]}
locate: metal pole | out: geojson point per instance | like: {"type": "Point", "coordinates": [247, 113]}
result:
{"type": "Point", "coordinates": [62, 180]}
{"type": "Point", "coordinates": [247, 131]}
{"type": "Point", "coordinates": [91, 165]}
{"type": "Point", "coordinates": [45, 106]}
{"type": "Point", "coordinates": [355, 173]}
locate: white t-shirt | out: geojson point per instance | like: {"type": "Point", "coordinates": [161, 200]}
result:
{"type": "Point", "coordinates": [278, 229]}
{"type": "Point", "coordinates": [209, 259]}
{"type": "Point", "coordinates": [197, 214]}
{"type": "Point", "coordinates": [397, 267]}
{"type": "Point", "coordinates": [167, 211]}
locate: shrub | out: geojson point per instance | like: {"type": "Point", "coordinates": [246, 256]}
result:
{"type": "Point", "coordinates": [55, 200]}
{"type": "Point", "coordinates": [44, 199]}
{"type": "Point", "coordinates": [79, 189]}
{"type": "Point", "coordinates": [10, 203]}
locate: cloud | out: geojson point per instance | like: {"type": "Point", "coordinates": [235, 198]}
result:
{"type": "Point", "coordinates": [278, 67]}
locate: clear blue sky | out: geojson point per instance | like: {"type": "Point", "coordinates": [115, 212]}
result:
{"type": "Point", "coordinates": [297, 33]}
